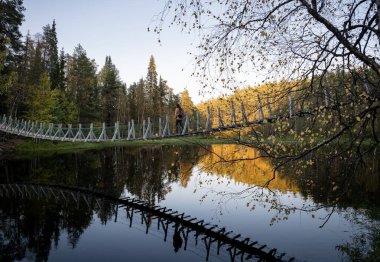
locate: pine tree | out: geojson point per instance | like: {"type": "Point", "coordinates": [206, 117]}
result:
{"type": "Point", "coordinates": [131, 101]}
{"type": "Point", "coordinates": [36, 67]}
{"type": "Point", "coordinates": [110, 86]}
{"type": "Point", "coordinates": [81, 85]}
{"type": "Point", "coordinates": [141, 100]}
{"type": "Point", "coordinates": [61, 72]}
{"type": "Point", "coordinates": [11, 18]}
{"type": "Point", "coordinates": [151, 89]}
{"type": "Point", "coordinates": [51, 53]}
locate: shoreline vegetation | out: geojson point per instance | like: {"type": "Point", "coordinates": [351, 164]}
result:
{"type": "Point", "coordinates": [23, 147]}
{"type": "Point", "coordinates": [15, 147]}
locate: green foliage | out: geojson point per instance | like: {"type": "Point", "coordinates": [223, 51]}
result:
{"type": "Point", "coordinates": [81, 85]}
{"type": "Point", "coordinates": [110, 86]}
{"type": "Point", "coordinates": [51, 53]}
{"type": "Point", "coordinates": [11, 17]}
{"type": "Point", "coordinates": [45, 85]}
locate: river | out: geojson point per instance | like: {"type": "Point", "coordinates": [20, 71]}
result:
{"type": "Point", "coordinates": [312, 210]}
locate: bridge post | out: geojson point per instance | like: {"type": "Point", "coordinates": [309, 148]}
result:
{"type": "Point", "coordinates": [291, 106]}
{"type": "Point", "coordinates": [261, 112]}
{"type": "Point", "coordinates": [233, 115]}
{"type": "Point", "coordinates": [91, 135]}
{"type": "Point", "coordinates": [243, 115]}
{"type": "Point", "coordinates": [131, 130]}
{"type": "Point", "coordinates": [166, 131]}
{"type": "Point", "coordinates": [58, 133]}
{"type": "Point", "coordinates": [28, 127]}
{"type": "Point", "coordinates": [146, 132]}
{"type": "Point", "coordinates": [68, 133]}
{"type": "Point", "coordinates": [103, 134]}
{"type": "Point", "coordinates": [31, 129]}
{"type": "Point", "coordinates": [197, 120]}
{"type": "Point", "coordinates": [49, 131]}
{"type": "Point", "coordinates": [269, 109]}
{"type": "Point", "coordinates": [220, 120]}
{"type": "Point", "coordinates": [79, 135]}
{"type": "Point", "coordinates": [143, 128]}
{"type": "Point", "coordinates": [9, 124]}
{"type": "Point", "coordinates": [20, 125]}
{"type": "Point", "coordinates": [208, 120]}
{"type": "Point", "coordinates": [39, 131]}
{"type": "Point", "coordinates": [116, 134]}
{"type": "Point", "coordinates": [186, 126]}
{"type": "Point", "coordinates": [21, 128]}
{"type": "Point", "coordinates": [15, 126]}
{"type": "Point", "coordinates": [159, 127]}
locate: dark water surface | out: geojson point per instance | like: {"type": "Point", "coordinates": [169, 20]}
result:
{"type": "Point", "coordinates": [314, 210]}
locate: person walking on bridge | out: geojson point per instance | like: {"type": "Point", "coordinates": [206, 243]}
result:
{"type": "Point", "coordinates": [179, 114]}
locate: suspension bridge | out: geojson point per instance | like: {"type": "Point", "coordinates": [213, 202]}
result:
{"type": "Point", "coordinates": [148, 129]}
{"type": "Point", "coordinates": [213, 238]}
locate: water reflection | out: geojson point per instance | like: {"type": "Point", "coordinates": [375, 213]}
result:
{"type": "Point", "coordinates": [174, 176]}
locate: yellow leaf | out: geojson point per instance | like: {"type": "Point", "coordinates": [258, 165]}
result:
{"type": "Point", "coordinates": [358, 118]}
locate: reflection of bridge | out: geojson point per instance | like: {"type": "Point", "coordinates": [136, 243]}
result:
{"type": "Point", "coordinates": [148, 129]}
{"type": "Point", "coordinates": [235, 245]}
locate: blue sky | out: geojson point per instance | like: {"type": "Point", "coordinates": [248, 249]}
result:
{"type": "Point", "coordinates": [118, 28]}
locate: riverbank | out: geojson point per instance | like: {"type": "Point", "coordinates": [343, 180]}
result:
{"type": "Point", "coordinates": [30, 147]}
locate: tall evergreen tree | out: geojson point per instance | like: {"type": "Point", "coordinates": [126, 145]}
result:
{"type": "Point", "coordinates": [11, 17]}
{"type": "Point", "coordinates": [36, 67]}
{"type": "Point", "coordinates": [61, 71]}
{"type": "Point", "coordinates": [81, 85]}
{"type": "Point", "coordinates": [51, 53]}
{"type": "Point", "coordinates": [151, 88]}
{"type": "Point", "coordinates": [141, 99]}
{"type": "Point", "coordinates": [131, 101]}
{"type": "Point", "coordinates": [110, 85]}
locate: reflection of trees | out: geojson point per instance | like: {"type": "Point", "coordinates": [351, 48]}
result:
{"type": "Point", "coordinates": [332, 184]}
{"type": "Point", "coordinates": [222, 161]}
{"type": "Point", "coordinates": [145, 172]}
{"type": "Point", "coordinates": [365, 245]}
{"type": "Point", "coordinates": [32, 226]}
{"type": "Point", "coordinates": [35, 225]}
{"type": "Point", "coordinates": [152, 170]}
{"type": "Point", "coordinates": [328, 181]}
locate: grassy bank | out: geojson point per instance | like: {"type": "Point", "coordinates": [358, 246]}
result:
{"type": "Point", "coordinates": [30, 147]}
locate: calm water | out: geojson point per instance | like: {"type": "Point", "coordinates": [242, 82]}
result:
{"type": "Point", "coordinates": [313, 211]}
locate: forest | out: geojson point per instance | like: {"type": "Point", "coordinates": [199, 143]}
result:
{"type": "Point", "coordinates": [38, 82]}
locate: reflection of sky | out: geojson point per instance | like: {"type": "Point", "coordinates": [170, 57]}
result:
{"type": "Point", "coordinates": [298, 236]}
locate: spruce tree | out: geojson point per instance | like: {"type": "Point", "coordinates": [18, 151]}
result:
{"type": "Point", "coordinates": [151, 88]}
{"type": "Point", "coordinates": [110, 86]}
{"type": "Point", "coordinates": [51, 53]}
{"type": "Point", "coordinates": [11, 18]}
{"type": "Point", "coordinates": [61, 71]}
{"type": "Point", "coordinates": [81, 85]}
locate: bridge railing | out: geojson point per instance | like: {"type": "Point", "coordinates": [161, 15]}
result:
{"type": "Point", "coordinates": [234, 116]}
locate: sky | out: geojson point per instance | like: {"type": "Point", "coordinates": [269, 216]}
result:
{"type": "Point", "coordinates": [118, 28]}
